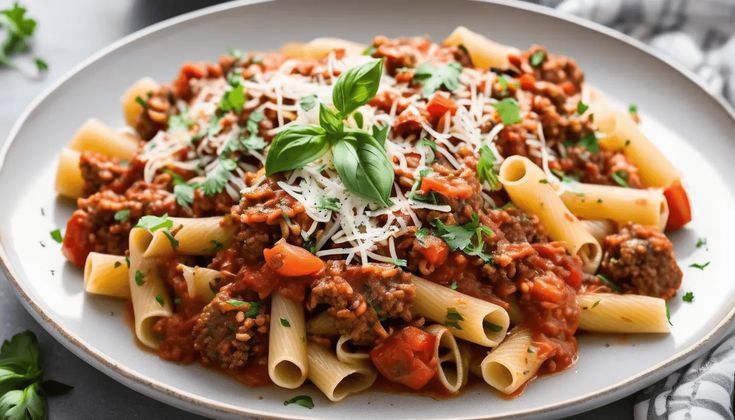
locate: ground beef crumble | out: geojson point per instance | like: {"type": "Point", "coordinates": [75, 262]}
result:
{"type": "Point", "coordinates": [641, 260]}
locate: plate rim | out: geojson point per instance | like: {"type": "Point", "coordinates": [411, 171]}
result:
{"type": "Point", "coordinates": [170, 394]}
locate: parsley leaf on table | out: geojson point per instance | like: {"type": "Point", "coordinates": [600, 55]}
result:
{"type": "Point", "coordinates": [19, 29]}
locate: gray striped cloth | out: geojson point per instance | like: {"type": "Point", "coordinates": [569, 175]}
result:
{"type": "Point", "coordinates": [699, 35]}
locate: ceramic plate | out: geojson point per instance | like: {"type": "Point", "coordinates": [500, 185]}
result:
{"type": "Point", "coordinates": [692, 127]}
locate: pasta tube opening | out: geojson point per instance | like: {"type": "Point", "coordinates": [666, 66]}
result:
{"type": "Point", "coordinates": [450, 369]}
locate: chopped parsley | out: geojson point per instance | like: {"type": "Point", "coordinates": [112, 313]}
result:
{"type": "Point", "coordinates": [453, 318]}
{"type": "Point", "coordinates": [127, 260]}
{"type": "Point", "coordinates": [184, 194]}
{"type": "Point", "coordinates": [302, 400]}
{"type": "Point", "coordinates": [421, 234]}
{"type": "Point", "coordinates": [589, 142]}
{"type": "Point", "coordinates": [215, 181]}
{"type": "Point", "coordinates": [537, 58]}
{"type": "Point", "coordinates": [216, 245]}
{"type": "Point", "coordinates": [508, 110]}
{"type": "Point", "coordinates": [633, 108]}
{"type": "Point", "coordinates": [142, 102]}
{"type": "Point", "coordinates": [581, 107]}
{"type": "Point", "coordinates": [139, 277]}
{"type": "Point", "coordinates": [122, 215]}
{"type": "Point", "coordinates": [253, 307]}
{"type": "Point", "coordinates": [308, 102]}
{"type": "Point", "coordinates": [428, 144]}
{"type": "Point", "coordinates": [159, 298]}
{"type": "Point", "coordinates": [607, 282]}
{"type": "Point", "coordinates": [688, 297]}
{"type": "Point", "coordinates": [486, 168]}
{"type": "Point", "coordinates": [309, 245]}
{"type": "Point", "coordinates": [57, 236]}
{"type": "Point", "coordinates": [701, 242]}
{"type": "Point", "coordinates": [433, 78]}
{"type": "Point", "coordinates": [490, 326]}
{"type": "Point", "coordinates": [453, 286]}
{"type": "Point", "coordinates": [543, 181]}
{"type": "Point", "coordinates": [668, 314]}
{"type": "Point", "coordinates": [117, 264]}
{"type": "Point", "coordinates": [180, 121]}
{"type": "Point", "coordinates": [459, 237]}
{"type": "Point", "coordinates": [153, 223]}
{"type": "Point", "coordinates": [398, 262]}
{"type": "Point", "coordinates": [170, 237]}
{"type": "Point", "coordinates": [328, 203]}
{"type": "Point", "coordinates": [506, 81]}
{"type": "Point", "coordinates": [597, 302]}
{"type": "Point", "coordinates": [699, 266]}
{"type": "Point", "coordinates": [620, 178]}
{"type": "Point", "coordinates": [233, 99]}
{"type": "Point", "coordinates": [285, 322]}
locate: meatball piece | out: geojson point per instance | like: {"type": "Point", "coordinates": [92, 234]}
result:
{"type": "Point", "coordinates": [359, 297]}
{"type": "Point", "coordinates": [641, 259]}
{"type": "Point", "coordinates": [231, 330]}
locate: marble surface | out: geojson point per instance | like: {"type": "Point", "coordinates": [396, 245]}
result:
{"type": "Point", "coordinates": [67, 33]}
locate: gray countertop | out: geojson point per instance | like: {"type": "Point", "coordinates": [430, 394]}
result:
{"type": "Point", "coordinates": [69, 31]}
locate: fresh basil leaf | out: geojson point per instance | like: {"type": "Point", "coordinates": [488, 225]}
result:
{"type": "Point", "coordinates": [380, 134]}
{"type": "Point", "coordinates": [308, 102]}
{"type": "Point", "coordinates": [358, 119]}
{"type": "Point", "coordinates": [433, 78]}
{"type": "Point", "coordinates": [357, 86]}
{"type": "Point", "coordinates": [295, 147]}
{"type": "Point", "coordinates": [509, 111]}
{"type": "Point", "coordinates": [486, 168]}
{"type": "Point", "coordinates": [364, 167]}
{"type": "Point", "coordinates": [26, 404]}
{"type": "Point", "coordinates": [330, 120]}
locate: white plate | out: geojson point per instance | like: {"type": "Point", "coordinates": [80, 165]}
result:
{"type": "Point", "coordinates": [692, 127]}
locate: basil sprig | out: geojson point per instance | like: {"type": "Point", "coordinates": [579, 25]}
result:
{"type": "Point", "coordinates": [359, 156]}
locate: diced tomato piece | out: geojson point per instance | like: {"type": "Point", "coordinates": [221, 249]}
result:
{"type": "Point", "coordinates": [291, 260]}
{"type": "Point", "coordinates": [515, 60]}
{"type": "Point", "coordinates": [76, 245]}
{"type": "Point", "coordinates": [406, 357]}
{"type": "Point", "coordinates": [433, 249]}
{"type": "Point", "coordinates": [439, 104]}
{"type": "Point", "coordinates": [456, 188]}
{"type": "Point", "coordinates": [569, 88]}
{"type": "Point", "coordinates": [680, 213]}
{"type": "Point", "coordinates": [527, 81]}
{"type": "Point", "coordinates": [188, 71]}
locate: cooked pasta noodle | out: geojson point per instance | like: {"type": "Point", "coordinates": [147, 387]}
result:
{"type": "Point", "coordinates": [512, 363]}
{"type": "Point", "coordinates": [605, 312]}
{"type": "Point", "coordinates": [106, 275]}
{"type": "Point", "coordinates": [287, 361]}
{"type": "Point", "coordinates": [529, 189]}
{"type": "Point", "coordinates": [335, 379]}
{"type": "Point", "coordinates": [451, 370]}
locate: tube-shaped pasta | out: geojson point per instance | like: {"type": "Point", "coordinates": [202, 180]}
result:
{"type": "Point", "coordinates": [512, 363]}
{"type": "Point", "coordinates": [106, 275]}
{"type": "Point", "coordinates": [599, 229]}
{"type": "Point", "coordinates": [347, 355]}
{"type": "Point", "coordinates": [484, 52]}
{"type": "Point", "coordinates": [622, 133]}
{"type": "Point", "coordinates": [529, 189]}
{"type": "Point", "coordinates": [322, 324]}
{"type": "Point", "coordinates": [335, 379]}
{"type": "Point", "coordinates": [95, 136]}
{"type": "Point", "coordinates": [195, 236]}
{"type": "Point", "coordinates": [608, 312]}
{"type": "Point", "coordinates": [287, 361]}
{"type": "Point", "coordinates": [69, 181]}
{"type": "Point", "coordinates": [469, 318]}
{"type": "Point", "coordinates": [130, 106]}
{"type": "Point", "coordinates": [147, 290]}
{"type": "Point", "coordinates": [321, 47]}
{"type": "Point", "coordinates": [450, 370]}
{"type": "Point", "coordinates": [590, 201]}
{"type": "Point", "coordinates": [200, 281]}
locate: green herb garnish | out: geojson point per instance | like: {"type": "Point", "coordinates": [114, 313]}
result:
{"type": "Point", "coordinates": [699, 266]}
{"type": "Point", "coordinates": [302, 400]}
{"type": "Point", "coordinates": [122, 215]}
{"type": "Point", "coordinates": [453, 318]}
{"type": "Point", "coordinates": [434, 78]}
{"type": "Point", "coordinates": [509, 111]}
{"type": "Point", "coordinates": [57, 236]}
{"type": "Point", "coordinates": [688, 297]}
